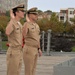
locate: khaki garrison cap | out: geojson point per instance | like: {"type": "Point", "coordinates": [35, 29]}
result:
{"type": "Point", "coordinates": [19, 7]}
{"type": "Point", "coordinates": [32, 11]}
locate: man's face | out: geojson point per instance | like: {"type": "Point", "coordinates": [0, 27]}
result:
{"type": "Point", "coordinates": [20, 14]}
{"type": "Point", "coordinates": [34, 16]}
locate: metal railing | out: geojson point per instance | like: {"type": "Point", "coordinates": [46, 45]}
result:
{"type": "Point", "coordinates": [46, 41]}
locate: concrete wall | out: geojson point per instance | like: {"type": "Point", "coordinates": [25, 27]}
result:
{"type": "Point", "coordinates": [65, 68]}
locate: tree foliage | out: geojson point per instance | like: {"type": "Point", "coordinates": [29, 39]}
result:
{"type": "Point", "coordinates": [55, 25]}
{"type": "Point", "coordinates": [45, 24]}
{"type": "Point", "coordinates": [73, 20]}
{"type": "Point", "coordinates": [3, 22]}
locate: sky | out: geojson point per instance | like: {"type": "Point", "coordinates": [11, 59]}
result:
{"type": "Point", "coordinates": [53, 5]}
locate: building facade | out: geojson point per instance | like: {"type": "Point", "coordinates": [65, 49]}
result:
{"type": "Point", "coordinates": [67, 15]}
{"type": "Point", "coordinates": [11, 3]}
{"type": "Point", "coordinates": [2, 11]}
{"type": "Point", "coordinates": [6, 5]}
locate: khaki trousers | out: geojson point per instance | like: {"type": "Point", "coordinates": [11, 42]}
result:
{"type": "Point", "coordinates": [14, 61]}
{"type": "Point", "coordinates": [30, 55]}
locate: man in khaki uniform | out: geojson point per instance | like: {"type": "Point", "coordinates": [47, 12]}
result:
{"type": "Point", "coordinates": [31, 48]}
{"type": "Point", "coordinates": [14, 33]}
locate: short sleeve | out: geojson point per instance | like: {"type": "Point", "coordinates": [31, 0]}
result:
{"type": "Point", "coordinates": [9, 28]}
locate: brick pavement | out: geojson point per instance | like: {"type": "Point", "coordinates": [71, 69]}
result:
{"type": "Point", "coordinates": [44, 67]}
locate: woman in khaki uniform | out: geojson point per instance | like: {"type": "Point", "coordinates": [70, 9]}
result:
{"type": "Point", "coordinates": [14, 33]}
{"type": "Point", "coordinates": [31, 36]}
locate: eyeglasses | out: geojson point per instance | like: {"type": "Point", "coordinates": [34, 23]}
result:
{"type": "Point", "coordinates": [34, 13]}
{"type": "Point", "coordinates": [23, 10]}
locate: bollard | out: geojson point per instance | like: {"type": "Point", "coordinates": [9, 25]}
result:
{"type": "Point", "coordinates": [48, 41]}
{"type": "Point", "coordinates": [0, 42]}
{"type": "Point", "coordinates": [43, 33]}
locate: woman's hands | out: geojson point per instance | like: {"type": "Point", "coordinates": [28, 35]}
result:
{"type": "Point", "coordinates": [11, 14]}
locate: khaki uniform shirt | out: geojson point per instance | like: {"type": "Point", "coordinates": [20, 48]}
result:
{"type": "Point", "coordinates": [14, 31]}
{"type": "Point", "coordinates": [32, 37]}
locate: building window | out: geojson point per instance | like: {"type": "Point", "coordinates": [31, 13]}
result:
{"type": "Point", "coordinates": [62, 18]}
{"type": "Point", "coordinates": [63, 11]}
{"type": "Point", "coordinates": [71, 12]}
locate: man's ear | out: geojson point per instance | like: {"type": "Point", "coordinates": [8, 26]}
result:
{"type": "Point", "coordinates": [17, 12]}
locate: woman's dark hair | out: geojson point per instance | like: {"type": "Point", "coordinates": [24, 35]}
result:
{"type": "Point", "coordinates": [14, 11]}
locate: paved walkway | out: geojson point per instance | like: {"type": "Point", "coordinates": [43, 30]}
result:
{"type": "Point", "coordinates": [44, 67]}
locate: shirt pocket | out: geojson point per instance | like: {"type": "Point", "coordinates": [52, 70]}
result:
{"type": "Point", "coordinates": [32, 29]}
{"type": "Point", "coordinates": [17, 30]}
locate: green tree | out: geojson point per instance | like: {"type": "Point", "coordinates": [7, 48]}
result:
{"type": "Point", "coordinates": [3, 22]}
{"type": "Point", "coordinates": [73, 20]}
{"type": "Point", "coordinates": [55, 25]}
{"type": "Point", "coordinates": [43, 23]}
{"type": "Point", "coordinates": [7, 13]}
{"type": "Point", "coordinates": [40, 11]}
{"type": "Point", "coordinates": [48, 12]}
{"type": "Point", "coordinates": [54, 17]}
{"type": "Point", "coordinates": [67, 27]}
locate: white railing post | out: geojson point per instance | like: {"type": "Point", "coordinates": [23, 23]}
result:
{"type": "Point", "coordinates": [48, 41]}
{"type": "Point", "coordinates": [43, 33]}
{"type": "Point", "coordinates": [0, 42]}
